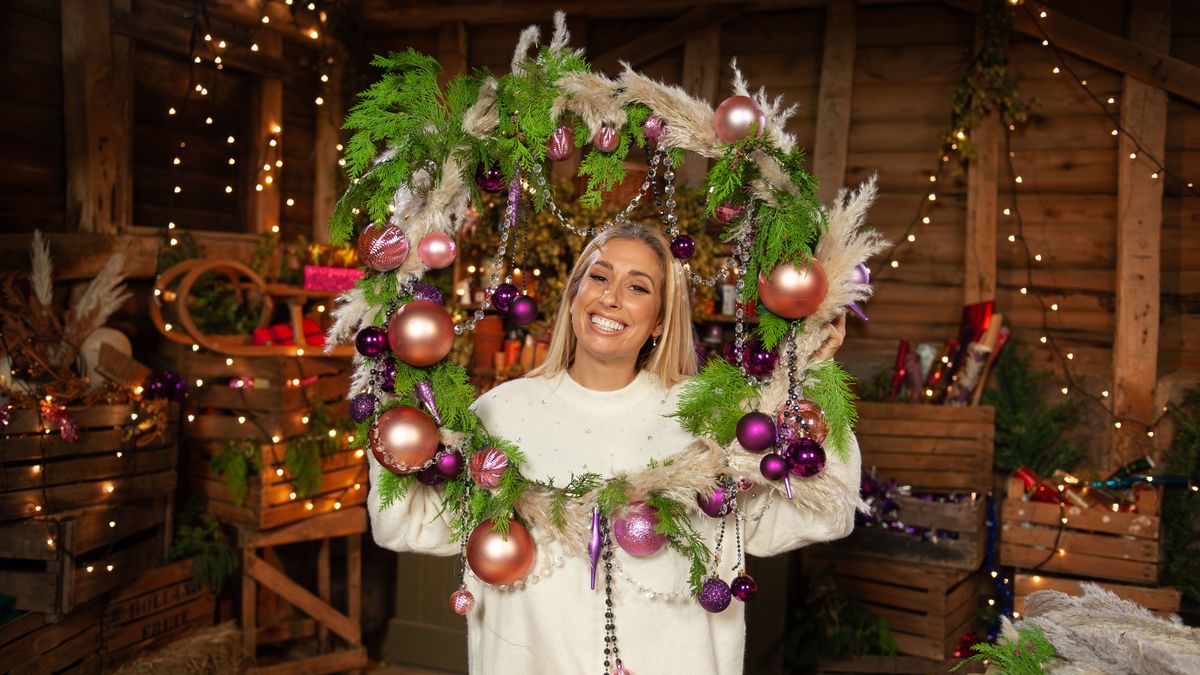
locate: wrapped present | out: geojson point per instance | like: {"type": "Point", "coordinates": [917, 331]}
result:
{"type": "Point", "coordinates": [333, 279]}
{"type": "Point", "coordinates": [281, 334]}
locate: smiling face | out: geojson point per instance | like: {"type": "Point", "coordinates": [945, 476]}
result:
{"type": "Point", "coordinates": [619, 303]}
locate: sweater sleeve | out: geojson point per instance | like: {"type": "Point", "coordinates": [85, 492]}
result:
{"type": "Point", "coordinates": [785, 526]}
{"type": "Point", "coordinates": [411, 524]}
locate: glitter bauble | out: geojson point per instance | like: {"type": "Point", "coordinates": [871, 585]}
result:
{"type": "Point", "coordinates": [462, 602]}
{"type": "Point", "coordinates": [503, 296]}
{"type": "Point", "coordinates": [387, 376]}
{"type": "Point", "coordinates": [500, 559]}
{"type": "Point", "coordinates": [362, 406]}
{"type": "Point", "coordinates": [805, 457]}
{"type": "Point", "coordinates": [744, 587]}
{"type": "Point", "coordinates": [683, 247]}
{"type": "Point", "coordinates": [421, 333]}
{"type": "Point", "coordinates": [773, 466]}
{"type": "Point", "coordinates": [760, 362]}
{"type": "Point", "coordinates": [653, 127]}
{"type": "Point", "coordinates": [382, 248]}
{"type": "Point", "coordinates": [794, 292]}
{"type": "Point", "coordinates": [756, 431]}
{"type": "Point", "coordinates": [715, 595]}
{"type": "Point", "coordinates": [429, 476]}
{"type": "Point", "coordinates": [523, 311]}
{"type": "Point", "coordinates": [427, 292]}
{"type": "Point", "coordinates": [488, 465]}
{"type": "Point", "coordinates": [728, 212]}
{"type": "Point", "coordinates": [715, 503]}
{"type": "Point", "coordinates": [490, 178]}
{"type": "Point", "coordinates": [803, 420]}
{"type": "Point", "coordinates": [450, 464]}
{"type": "Point", "coordinates": [738, 117]}
{"type": "Point", "coordinates": [561, 144]}
{"type": "Point", "coordinates": [404, 439]}
{"type": "Point", "coordinates": [634, 530]}
{"type": "Point", "coordinates": [744, 484]}
{"type": "Point", "coordinates": [371, 342]}
{"type": "Point", "coordinates": [606, 139]}
{"type": "Point", "coordinates": [437, 250]}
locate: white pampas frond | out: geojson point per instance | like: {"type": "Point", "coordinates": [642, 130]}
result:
{"type": "Point", "coordinates": [593, 97]}
{"type": "Point", "coordinates": [777, 116]}
{"type": "Point", "coordinates": [529, 38]}
{"type": "Point", "coordinates": [102, 297]}
{"type": "Point", "coordinates": [738, 84]}
{"type": "Point", "coordinates": [689, 119]}
{"type": "Point", "coordinates": [42, 277]}
{"type": "Point", "coordinates": [561, 36]}
{"type": "Point", "coordinates": [483, 117]}
{"type": "Point", "coordinates": [349, 314]}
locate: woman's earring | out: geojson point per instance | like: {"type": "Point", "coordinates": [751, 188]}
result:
{"type": "Point", "coordinates": [654, 341]}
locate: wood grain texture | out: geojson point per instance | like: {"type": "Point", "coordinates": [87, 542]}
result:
{"type": "Point", "coordinates": [834, 97]}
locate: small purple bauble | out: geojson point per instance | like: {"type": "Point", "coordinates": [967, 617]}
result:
{"type": "Point", "coordinates": [731, 352]}
{"type": "Point", "coordinates": [715, 595]}
{"type": "Point", "coordinates": [523, 311]}
{"type": "Point", "coordinates": [713, 504]}
{"type": "Point", "coordinates": [489, 179]}
{"type": "Point", "coordinates": [756, 431]}
{"type": "Point", "coordinates": [683, 247]}
{"type": "Point", "coordinates": [387, 377]}
{"type": "Point", "coordinates": [760, 362]}
{"type": "Point", "coordinates": [450, 464]}
{"type": "Point", "coordinates": [653, 127]}
{"type": "Point", "coordinates": [773, 466]}
{"type": "Point", "coordinates": [503, 296]}
{"type": "Point", "coordinates": [561, 144]}
{"type": "Point", "coordinates": [372, 342]}
{"type": "Point", "coordinates": [428, 292]}
{"type": "Point", "coordinates": [167, 384]}
{"type": "Point", "coordinates": [744, 587]}
{"type": "Point", "coordinates": [362, 406]}
{"type": "Point", "coordinates": [806, 458]}
{"type": "Point", "coordinates": [860, 274]}
{"type": "Point", "coordinates": [429, 476]}
{"type": "Point", "coordinates": [634, 531]}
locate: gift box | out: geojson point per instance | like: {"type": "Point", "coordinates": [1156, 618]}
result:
{"type": "Point", "coordinates": [281, 334]}
{"type": "Point", "coordinates": [332, 279]}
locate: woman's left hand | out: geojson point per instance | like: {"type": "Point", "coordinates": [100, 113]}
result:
{"type": "Point", "coordinates": [835, 335]}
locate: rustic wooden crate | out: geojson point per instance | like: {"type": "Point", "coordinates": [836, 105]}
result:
{"type": "Point", "coordinates": [964, 553]}
{"type": "Point", "coordinates": [1162, 601]}
{"type": "Point", "coordinates": [928, 610]}
{"type": "Point", "coordinates": [1093, 543]}
{"type": "Point", "coordinates": [159, 608]}
{"type": "Point", "coordinates": [908, 665]}
{"type": "Point", "coordinates": [39, 643]}
{"type": "Point", "coordinates": [930, 447]}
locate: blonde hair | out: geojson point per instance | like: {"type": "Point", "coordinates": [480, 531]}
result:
{"type": "Point", "coordinates": [674, 358]}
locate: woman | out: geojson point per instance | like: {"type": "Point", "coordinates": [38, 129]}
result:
{"type": "Point", "coordinates": [622, 347]}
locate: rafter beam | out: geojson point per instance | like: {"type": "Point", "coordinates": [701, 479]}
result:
{"type": "Point", "coordinates": [679, 31]}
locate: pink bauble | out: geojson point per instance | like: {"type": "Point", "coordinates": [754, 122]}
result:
{"type": "Point", "coordinates": [728, 212]}
{"type": "Point", "coordinates": [653, 127]}
{"type": "Point", "coordinates": [421, 333]}
{"type": "Point", "coordinates": [488, 466]}
{"type": "Point", "coordinates": [437, 250]}
{"type": "Point", "coordinates": [804, 420]}
{"type": "Point", "coordinates": [793, 292]}
{"type": "Point", "coordinates": [737, 117]}
{"type": "Point", "coordinates": [498, 559]}
{"type": "Point", "coordinates": [462, 602]}
{"type": "Point", "coordinates": [606, 139]}
{"type": "Point", "coordinates": [561, 144]}
{"type": "Point", "coordinates": [634, 530]}
{"type": "Point", "coordinates": [382, 248]}
{"type": "Point", "coordinates": [404, 439]}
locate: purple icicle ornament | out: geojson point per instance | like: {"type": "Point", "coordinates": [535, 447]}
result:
{"type": "Point", "coordinates": [595, 544]}
{"type": "Point", "coordinates": [425, 393]}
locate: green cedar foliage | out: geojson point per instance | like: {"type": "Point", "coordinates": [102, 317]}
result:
{"type": "Point", "coordinates": [303, 454]}
{"type": "Point", "coordinates": [201, 539]}
{"type": "Point", "coordinates": [710, 403]}
{"type": "Point", "coordinates": [674, 522]}
{"type": "Point", "coordinates": [1181, 508]}
{"type": "Point", "coordinates": [829, 625]}
{"type": "Point", "coordinates": [1028, 431]}
{"type": "Point", "coordinates": [236, 461]}
{"type": "Point", "coordinates": [830, 390]}
{"type": "Point", "coordinates": [1027, 655]}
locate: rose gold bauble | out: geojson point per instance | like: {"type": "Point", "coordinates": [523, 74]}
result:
{"type": "Point", "coordinates": [500, 560]}
{"type": "Point", "coordinates": [737, 117]}
{"type": "Point", "coordinates": [794, 291]}
{"type": "Point", "coordinates": [606, 139]}
{"type": "Point", "coordinates": [437, 250]}
{"type": "Point", "coordinates": [804, 420]}
{"type": "Point", "coordinates": [561, 144]}
{"type": "Point", "coordinates": [404, 439]}
{"type": "Point", "coordinates": [382, 248]}
{"type": "Point", "coordinates": [421, 333]}
{"type": "Point", "coordinates": [462, 602]}
{"type": "Point", "coordinates": [488, 466]}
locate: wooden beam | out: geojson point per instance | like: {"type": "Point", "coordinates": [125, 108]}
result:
{"type": "Point", "coordinates": [266, 115]}
{"type": "Point", "coordinates": [249, 13]}
{"type": "Point", "coordinates": [327, 173]}
{"type": "Point", "coordinates": [1149, 64]}
{"type": "Point", "coordinates": [92, 121]}
{"type": "Point", "coordinates": [701, 70]}
{"type": "Point", "coordinates": [679, 31]}
{"type": "Point", "coordinates": [834, 96]}
{"type": "Point", "coordinates": [302, 598]}
{"type": "Point", "coordinates": [1139, 237]}
{"type": "Point", "coordinates": [979, 255]}
{"type": "Point", "coordinates": [172, 37]}
{"type": "Point", "coordinates": [452, 50]}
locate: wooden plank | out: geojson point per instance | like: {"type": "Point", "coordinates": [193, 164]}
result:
{"type": "Point", "coordinates": [697, 22]}
{"type": "Point", "coordinates": [266, 114]}
{"type": "Point", "coordinates": [346, 522]}
{"type": "Point", "coordinates": [336, 662]}
{"type": "Point", "coordinates": [299, 596]}
{"type": "Point", "coordinates": [981, 415]}
{"type": "Point", "coordinates": [1139, 247]}
{"type": "Point", "coordinates": [18, 504]}
{"type": "Point", "coordinates": [834, 98]}
{"type": "Point", "coordinates": [1140, 525]}
{"type": "Point", "coordinates": [1156, 599]}
{"type": "Point", "coordinates": [1077, 563]}
{"type": "Point", "coordinates": [42, 636]}
{"type": "Point", "coordinates": [1074, 542]}
{"type": "Point", "coordinates": [699, 77]}
{"type": "Point", "coordinates": [354, 578]}
{"type": "Point", "coordinates": [249, 604]}
{"type": "Point", "coordinates": [287, 631]}
{"type": "Point", "coordinates": [327, 174]}
{"type": "Point", "coordinates": [979, 252]}
{"type": "Point", "coordinates": [90, 469]}
{"type": "Point", "coordinates": [324, 591]}
{"type": "Point", "coordinates": [170, 620]}
{"type": "Point", "coordinates": [171, 35]}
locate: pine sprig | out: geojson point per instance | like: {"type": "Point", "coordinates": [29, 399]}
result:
{"type": "Point", "coordinates": [830, 390]}
{"type": "Point", "coordinates": [1027, 655]}
{"type": "Point", "coordinates": [613, 495]}
{"type": "Point", "coordinates": [574, 489]}
{"type": "Point", "coordinates": [771, 328]}
{"type": "Point", "coordinates": [603, 170]}
{"type": "Point", "coordinates": [236, 461]}
{"type": "Point", "coordinates": [1029, 431]}
{"type": "Point", "coordinates": [393, 487]}
{"type": "Point", "coordinates": [213, 559]}
{"type": "Point", "coordinates": [674, 522]}
{"type": "Point", "coordinates": [710, 404]}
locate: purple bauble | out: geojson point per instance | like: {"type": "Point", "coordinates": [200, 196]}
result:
{"type": "Point", "coordinates": [744, 587]}
{"type": "Point", "coordinates": [760, 362]}
{"type": "Point", "coordinates": [731, 352]}
{"type": "Point", "coordinates": [773, 466]}
{"type": "Point", "coordinates": [429, 476]}
{"type": "Point", "coordinates": [427, 292]}
{"type": "Point", "coordinates": [713, 504]}
{"type": "Point", "coordinates": [523, 311]}
{"type": "Point", "coordinates": [387, 376]}
{"type": "Point", "coordinates": [362, 406]}
{"type": "Point", "coordinates": [715, 595]}
{"type": "Point", "coordinates": [503, 296]}
{"type": "Point", "coordinates": [756, 431]}
{"type": "Point", "coordinates": [634, 531]}
{"type": "Point", "coordinates": [653, 127]}
{"type": "Point", "coordinates": [805, 457]}
{"type": "Point", "coordinates": [167, 384]}
{"type": "Point", "coordinates": [372, 342]}
{"type": "Point", "coordinates": [450, 464]}
{"type": "Point", "coordinates": [489, 179]}
{"type": "Point", "coordinates": [683, 247]}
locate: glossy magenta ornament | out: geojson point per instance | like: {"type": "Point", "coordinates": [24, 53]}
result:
{"type": "Point", "coordinates": [561, 144]}
{"type": "Point", "coordinates": [421, 333]}
{"type": "Point", "coordinates": [606, 139]}
{"type": "Point", "coordinates": [744, 587]}
{"type": "Point", "coordinates": [731, 352]}
{"type": "Point", "coordinates": [794, 292]}
{"type": "Point", "coordinates": [523, 311]}
{"type": "Point", "coordinates": [488, 465]}
{"type": "Point", "coordinates": [756, 431]}
{"type": "Point", "coordinates": [715, 595]}
{"type": "Point", "coordinates": [387, 376]}
{"type": "Point", "coordinates": [504, 295]}
{"type": "Point", "coordinates": [462, 602]}
{"type": "Point", "coordinates": [683, 247]}
{"type": "Point", "coordinates": [653, 128]}
{"type": "Point", "coordinates": [437, 250]}
{"type": "Point", "coordinates": [429, 476]}
{"type": "Point", "coordinates": [362, 406]}
{"type": "Point", "coordinates": [404, 439]}
{"type": "Point", "coordinates": [382, 248]}
{"type": "Point", "coordinates": [804, 420]}
{"type": "Point", "coordinates": [714, 504]}
{"type": "Point", "coordinates": [450, 464]}
{"type": "Point", "coordinates": [760, 362]}
{"type": "Point", "coordinates": [634, 530]}
{"type": "Point", "coordinates": [805, 457]}
{"type": "Point", "coordinates": [773, 466]}
{"type": "Point", "coordinates": [728, 212]}
{"type": "Point", "coordinates": [738, 117]}
{"type": "Point", "coordinates": [371, 341]}
{"type": "Point", "coordinates": [489, 178]}
{"type": "Point", "coordinates": [428, 292]}
{"type": "Point", "coordinates": [498, 559]}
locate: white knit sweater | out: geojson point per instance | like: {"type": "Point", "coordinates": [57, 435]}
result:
{"type": "Point", "coordinates": [554, 623]}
